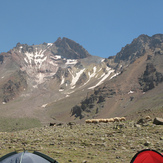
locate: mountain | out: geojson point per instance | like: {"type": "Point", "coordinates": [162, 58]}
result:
{"type": "Point", "coordinates": [34, 77]}
{"type": "Point", "coordinates": [137, 88]}
{"type": "Point", "coordinates": [61, 81]}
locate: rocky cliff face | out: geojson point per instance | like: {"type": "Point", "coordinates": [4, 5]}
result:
{"type": "Point", "coordinates": [69, 49]}
{"type": "Point", "coordinates": [150, 78]}
{"type": "Point", "coordinates": [137, 48]}
{"type": "Point", "coordinates": [134, 50]}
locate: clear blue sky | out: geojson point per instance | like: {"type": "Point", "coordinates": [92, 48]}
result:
{"type": "Point", "coordinates": [102, 27]}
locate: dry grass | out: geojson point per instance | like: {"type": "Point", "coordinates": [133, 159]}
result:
{"type": "Point", "coordinates": [100, 143]}
{"type": "Point", "coordinates": [8, 124]}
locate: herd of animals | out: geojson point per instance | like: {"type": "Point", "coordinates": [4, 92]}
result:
{"type": "Point", "coordinates": [101, 120]}
{"type": "Point", "coordinates": [115, 119]}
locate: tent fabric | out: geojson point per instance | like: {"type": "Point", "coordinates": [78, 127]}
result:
{"type": "Point", "coordinates": [147, 156]}
{"type": "Point", "coordinates": [26, 157]}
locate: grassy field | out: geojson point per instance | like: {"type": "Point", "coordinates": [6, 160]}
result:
{"type": "Point", "coordinates": [16, 124]}
{"type": "Point", "coordinates": [91, 143]}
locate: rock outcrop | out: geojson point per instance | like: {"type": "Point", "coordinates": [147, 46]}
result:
{"type": "Point", "coordinates": [158, 121]}
{"type": "Point", "coordinates": [150, 78]}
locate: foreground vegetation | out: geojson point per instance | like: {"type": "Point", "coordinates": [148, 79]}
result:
{"type": "Point", "coordinates": [100, 143]}
{"type": "Point", "coordinates": [16, 124]}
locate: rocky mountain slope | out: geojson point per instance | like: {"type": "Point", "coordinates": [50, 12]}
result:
{"type": "Point", "coordinates": [61, 81]}
{"type": "Point", "coordinates": [138, 87]}
{"type": "Point", "coordinates": [33, 77]}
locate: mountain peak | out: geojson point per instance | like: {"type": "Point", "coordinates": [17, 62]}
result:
{"type": "Point", "coordinates": [138, 47]}
{"type": "Point", "coordinates": [64, 47]}
{"type": "Point", "coordinates": [69, 49]}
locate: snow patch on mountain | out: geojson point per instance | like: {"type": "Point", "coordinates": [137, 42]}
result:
{"type": "Point", "coordinates": [20, 49]}
{"type": "Point", "coordinates": [76, 77]}
{"type": "Point", "coordinates": [38, 57]}
{"type": "Point", "coordinates": [115, 75]}
{"type": "Point", "coordinates": [70, 92]}
{"type": "Point", "coordinates": [40, 78]}
{"type": "Point", "coordinates": [99, 69]}
{"type": "Point", "coordinates": [71, 62]}
{"type": "Point", "coordinates": [91, 75]}
{"type": "Point", "coordinates": [56, 57]}
{"type": "Point", "coordinates": [44, 105]}
{"type": "Point", "coordinates": [52, 63]}
{"type": "Point", "coordinates": [130, 92]}
{"type": "Point", "coordinates": [63, 80]}
{"type": "Point", "coordinates": [49, 44]}
{"type": "Point", "coordinates": [109, 71]}
{"type": "Point", "coordinates": [102, 60]}
{"type": "Point", "coordinates": [102, 76]}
